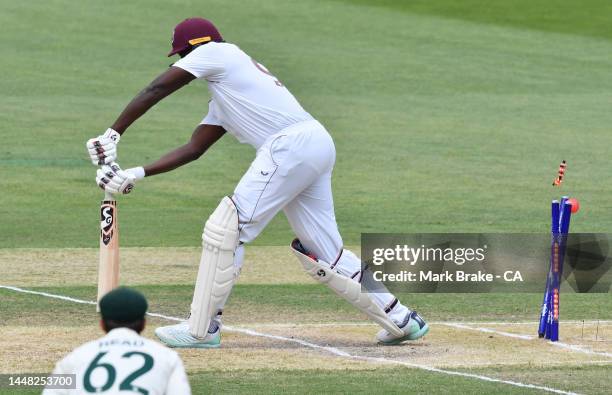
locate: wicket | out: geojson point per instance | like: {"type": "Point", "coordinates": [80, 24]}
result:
{"type": "Point", "coordinates": [549, 315]}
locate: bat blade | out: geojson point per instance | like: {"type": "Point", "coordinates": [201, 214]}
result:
{"type": "Point", "coordinates": [108, 270]}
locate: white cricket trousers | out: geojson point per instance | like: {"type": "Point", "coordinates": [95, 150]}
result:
{"type": "Point", "coordinates": [292, 172]}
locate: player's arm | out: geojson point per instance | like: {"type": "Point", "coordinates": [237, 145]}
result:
{"type": "Point", "coordinates": [113, 179]}
{"type": "Point", "coordinates": [169, 81]}
{"type": "Point", "coordinates": [103, 149]}
{"type": "Point", "coordinates": [178, 384]}
{"type": "Point", "coordinates": [203, 137]}
{"type": "Point", "coordinates": [59, 369]}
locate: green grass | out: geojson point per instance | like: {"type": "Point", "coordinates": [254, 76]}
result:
{"type": "Point", "coordinates": [313, 303]}
{"type": "Point", "coordinates": [580, 379]}
{"type": "Point", "coordinates": [24, 391]}
{"type": "Point", "coordinates": [264, 381]}
{"type": "Point", "coordinates": [394, 381]}
{"type": "Point", "coordinates": [306, 303]}
{"type": "Point", "coordinates": [590, 18]}
{"type": "Point", "coordinates": [447, 116]}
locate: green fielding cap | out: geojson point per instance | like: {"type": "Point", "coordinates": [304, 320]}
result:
{"type": "Point", "coordinates": [123, 304]}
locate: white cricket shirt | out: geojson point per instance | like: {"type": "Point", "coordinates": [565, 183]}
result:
{"type": "Point", "coordinates": [120, 360]}
{"type": "Point", "coordinates": [247, 100]}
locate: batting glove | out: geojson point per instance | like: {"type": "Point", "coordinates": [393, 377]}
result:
{"type": "Point", "coordinates": [111, 178]}
{"type": "Point", "coordinates": [103, 149]}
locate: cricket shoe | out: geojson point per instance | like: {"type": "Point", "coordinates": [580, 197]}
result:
{"type": "Point", "coordinates": [178, 336]}
{"type": "Point", "coordinates": [413, 326]}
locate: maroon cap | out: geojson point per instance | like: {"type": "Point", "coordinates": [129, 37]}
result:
{"type": "Point", "coordinates": [193, 31]}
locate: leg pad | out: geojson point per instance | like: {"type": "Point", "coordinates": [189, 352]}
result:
{"type": "Point", "coordinates": [216, 274]}
{"type": "Point", "coordinates": [345, 287]}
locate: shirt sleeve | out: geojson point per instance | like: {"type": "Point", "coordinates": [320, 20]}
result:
{"type": "Point", "coordinates": [178, 384]}
{"type": "Point", "coordinates": [59, 369]}
{"type": "Point", "coordinates": [203, 62]}
{"type": "Point", "coordinates": [212, 118]}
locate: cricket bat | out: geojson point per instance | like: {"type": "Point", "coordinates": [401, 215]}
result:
{"type": "Point", "coordinates": [108, 271]}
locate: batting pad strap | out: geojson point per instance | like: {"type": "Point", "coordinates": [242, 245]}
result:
{"type": "Point", "coordinates": [216, 274]}
{"type": "Point", "coordinates": [343, 286]}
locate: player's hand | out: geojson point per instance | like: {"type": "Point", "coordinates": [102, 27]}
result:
{"type": "Point", "coordinates": [103, 149]}
{"type": "Point", "coordinates": [111, 178]}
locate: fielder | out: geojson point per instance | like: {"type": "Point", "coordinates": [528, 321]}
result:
{"type": "Point", "coordinates": [291, 172]}
{"type": "Point", "coordinates": [123, 360]}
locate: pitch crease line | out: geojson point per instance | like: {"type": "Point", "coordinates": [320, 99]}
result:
{"type": "Point", "coordinates": [348, 323]}
{"type": "Point", "coordinates": [573, 347]}
{"type": "Point", "coordinates": [331, 350]}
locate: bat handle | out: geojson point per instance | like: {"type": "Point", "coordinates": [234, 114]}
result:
{"type": "Point", "coordinates": [108, 196]}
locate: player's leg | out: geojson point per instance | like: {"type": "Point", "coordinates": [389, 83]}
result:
{"type": "Point", "coordinates": [182, 335]}
{"type": "Point", "coordinates": [267, 186]}
{"type": "Point", "coordinates": [215, 279]}
{"type": "Point", "coordinates": [311, 215]}
{"type": "Point", "coordinates": [282, 169]}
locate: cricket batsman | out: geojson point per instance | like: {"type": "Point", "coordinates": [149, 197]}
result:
{"type": "Point", "coordinates": [123, 361]}
{"type": "Point", "coordinates": [291, 172]}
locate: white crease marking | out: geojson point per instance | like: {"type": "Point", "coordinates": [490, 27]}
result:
{"type": "Point", "coordinates": [488, 330]}
{"type": "Point", "coordinates": [331, 350]}
{"type": "Point", "coordinates": [573, 347]}
{"type": "Point", "coordinates": [341, 323]}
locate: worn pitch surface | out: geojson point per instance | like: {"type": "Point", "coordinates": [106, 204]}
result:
{"type": "Point", "coordinates": [282, 323]}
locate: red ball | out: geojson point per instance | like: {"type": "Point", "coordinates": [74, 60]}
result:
{"type": "Point", "coordinates": [575, 204]}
